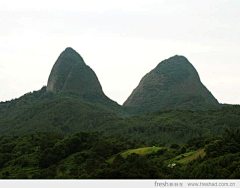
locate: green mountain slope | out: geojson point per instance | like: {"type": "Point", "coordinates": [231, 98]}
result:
{"type": "Point", "coordinates": [71, 104]}
{"type": "Point", "coordinates": [47, 112]}
{"type": "Point", "coordinates": [68, 113]}
{"type": "Point", "coordinates": [84, 156]}
{"type": "Point", "coordinates": [174, 83]}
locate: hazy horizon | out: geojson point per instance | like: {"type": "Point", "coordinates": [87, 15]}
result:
{"type": "Point", "coordinates": [120, 41]}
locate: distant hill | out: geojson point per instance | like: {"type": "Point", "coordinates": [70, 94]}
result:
{"type": "Point", "coordinates": [173, 84]}
{"type": "Point", "coordinates": [70, 73]}
{"type": "Point", "coordinates": [71, 76]}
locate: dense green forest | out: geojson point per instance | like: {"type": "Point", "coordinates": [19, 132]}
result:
{"type": "Point", "coordinates": [66, 113]}
{"type": "Point", "coordinates": [64, 135]}
{"type": "Point", "coordinates": [89, 154]}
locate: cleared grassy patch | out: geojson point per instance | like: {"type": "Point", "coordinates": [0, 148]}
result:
{"type": "Point", "coordinates": [198, 153]}
{"type": "Point", "coordinates": [178, 158]}
{"type": "Point", "coordinates": [140, 151]}
{"type": "Point", "coordinates": [187, 157]}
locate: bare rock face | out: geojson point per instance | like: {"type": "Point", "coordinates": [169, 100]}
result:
{"type": "Point", "coordinates": [70, 73]}
{"type": "Point", "coordinates": [174, 83]}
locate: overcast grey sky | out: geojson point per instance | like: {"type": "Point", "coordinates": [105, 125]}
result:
{"type": "Point", "coordinates": [121, 41]}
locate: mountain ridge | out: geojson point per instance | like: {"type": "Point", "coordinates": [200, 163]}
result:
{"type": "Point", "coordinates": [75, 107]}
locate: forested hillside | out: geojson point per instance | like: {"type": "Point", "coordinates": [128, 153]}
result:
{"type": "Point", "coordinates": [88, 155]}
{"type": "Point", "coordinates": [67, 113]}
{"type": "Point", "coordinates": [71, 129]}
{"type": "Point", "coordinates": [45, 111]}
{"type": "Point", "coordinates": [178, 126]}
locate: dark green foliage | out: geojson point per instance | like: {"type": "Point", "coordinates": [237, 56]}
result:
{"type": "Point", "coordinates": [81, 152]}
{"type": "Point", "coordinates": [175, 146]}
{"type": "Point", "coordinates": [4, 157]}
{"type": "Point", "coordinates": [161, 151]}
{"type": "Point", "coordinates": [183, 150]}
{"type": "Point", "coordinates": [68, 113]}
{"type": "Point", "coordinates": [60, 113]}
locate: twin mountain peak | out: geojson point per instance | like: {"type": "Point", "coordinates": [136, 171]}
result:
{"type": "Point", "coordinates": [174, 83]}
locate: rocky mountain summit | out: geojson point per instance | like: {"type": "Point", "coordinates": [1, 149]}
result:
{"type": "Point", "coordinates": [70, 73]}
{"type": "Point", "coordinates": [174, 83]}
